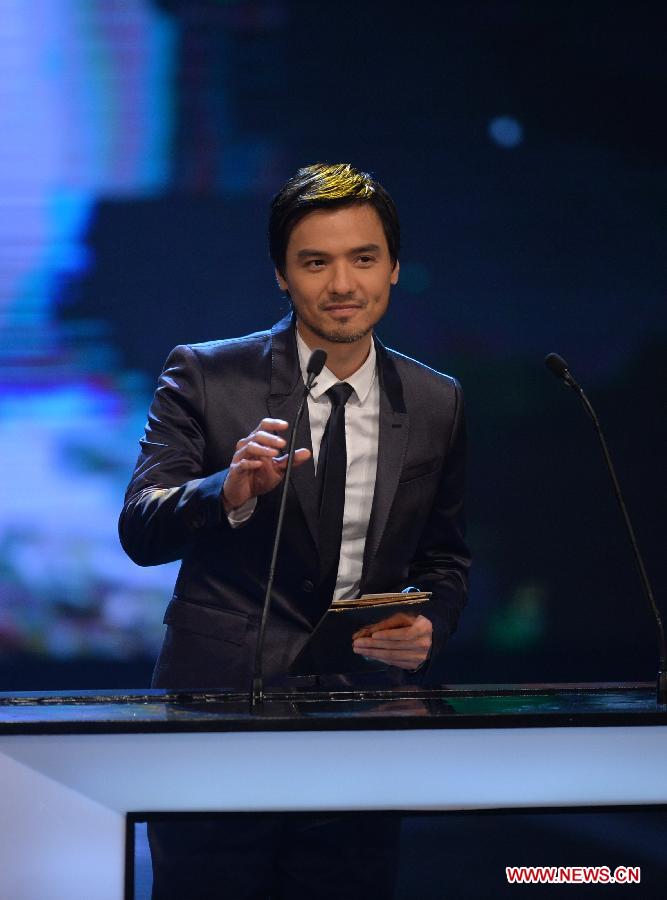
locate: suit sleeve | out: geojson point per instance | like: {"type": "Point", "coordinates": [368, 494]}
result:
{"type": "Point", "coordinates": [169, 500]}
{"type": "Point", "coordinates": [442, 558]}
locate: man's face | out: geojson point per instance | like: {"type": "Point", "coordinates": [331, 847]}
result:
{"type": "Point", "coordinates": [338, 273]}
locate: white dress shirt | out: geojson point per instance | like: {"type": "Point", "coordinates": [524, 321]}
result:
{"type": "Point", "coordinates": [362, 426]}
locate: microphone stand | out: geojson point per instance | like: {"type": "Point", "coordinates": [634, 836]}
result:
{"type": "Point", "coordinates": [257, 695]}
{"type": "Point", "coordinates": [559, 367]}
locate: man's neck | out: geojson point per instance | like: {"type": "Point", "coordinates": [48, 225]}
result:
{"type": "Point", "coordinates": [342, 359]}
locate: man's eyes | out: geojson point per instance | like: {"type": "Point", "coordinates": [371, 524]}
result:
{"type": "Point", "coordinates": [316, 264]}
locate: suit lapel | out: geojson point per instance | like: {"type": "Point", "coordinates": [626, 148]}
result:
{"type": "Point", "coordinates": [392, 444]}
{"type": "Point", "coordinates": [284, 397]}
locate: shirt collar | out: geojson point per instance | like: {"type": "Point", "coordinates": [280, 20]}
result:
{"type": "Point", "coordinates": [361, 380]}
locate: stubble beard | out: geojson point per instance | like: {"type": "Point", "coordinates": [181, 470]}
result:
{"type": "Point", "coordinates": [338, 335]}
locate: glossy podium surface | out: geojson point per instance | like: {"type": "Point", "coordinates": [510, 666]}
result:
{"type": "Point", "coordinates": [474, 706]}
{"type": "Point", "coordinates": [72, 765]}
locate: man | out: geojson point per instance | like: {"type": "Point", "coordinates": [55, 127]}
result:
{"type": "Point", "coordinates": [205, 486]}
{"type": "Point", "coordinates": [204, 489]}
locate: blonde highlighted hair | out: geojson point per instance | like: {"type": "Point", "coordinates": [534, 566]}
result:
{"type": "Point", "coordinates": [326, 186]}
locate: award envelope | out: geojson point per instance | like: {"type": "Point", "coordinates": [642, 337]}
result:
{"type": "Point", "coordinates": [329, 648]}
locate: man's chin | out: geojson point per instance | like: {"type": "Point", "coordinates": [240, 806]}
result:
{"type": "Point", "coordinates": [341, 335]}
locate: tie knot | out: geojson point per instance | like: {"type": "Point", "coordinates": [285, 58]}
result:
{"type": "Point", "coordinates": [340, 393]}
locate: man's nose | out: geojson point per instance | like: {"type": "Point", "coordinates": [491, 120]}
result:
{"type": "Point", "coordinates": [341, 281]}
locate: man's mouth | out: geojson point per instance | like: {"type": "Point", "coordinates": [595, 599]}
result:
{"type": "Point", "coordinates": [342, 307]}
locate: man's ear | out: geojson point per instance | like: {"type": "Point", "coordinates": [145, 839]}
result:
{"type": "Point", "coordinates": [282, 284]}
{"type": "Point", "coordinates": [395, 271]}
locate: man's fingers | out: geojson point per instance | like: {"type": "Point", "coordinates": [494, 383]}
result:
{"type": "Point", "coordinates": [253, 450]}
{"type": "Point", "coordinates": [396, 634]}
{"type": "Point", "coordinates": [263, 431]}
{"type": "Point", "coordinates": [392, 646]}
{"type": "Point", "coordinates": [270, 440]}
{"type": "Point", "coordinates": [247, 463]}
{"type": "Point", "coordinates": [420, 627]}
{"type": "Point", "coordinates": [406, 647]}
{"type": "Point", "coordinates": [300, 456]}
{"type": "Point", "coordinates": [272, 425]}
{"type": "Point", "coordinates": [264, 438]}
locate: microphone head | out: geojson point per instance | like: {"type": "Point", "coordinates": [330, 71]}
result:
{"type": "Point", "coordinates": [557, 365]}
{"type": "Point", "coordinates": [316, 362]}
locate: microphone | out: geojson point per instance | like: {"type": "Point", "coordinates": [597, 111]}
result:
{"type": "Point", "coordinates": [560, 369]}
{"type": "Point", "coordinates": [315, 365]}
{"type": "Point", "coordinates": [558, 366]}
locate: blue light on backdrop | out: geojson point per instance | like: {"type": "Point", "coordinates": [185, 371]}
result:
{"type": "Point", "coordinates": [86, 111]}
{"type": "Point", "coordinates": [506, 131]}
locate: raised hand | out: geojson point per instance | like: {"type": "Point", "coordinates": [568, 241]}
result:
{"type": "Point", "coordinates": [258, 466]}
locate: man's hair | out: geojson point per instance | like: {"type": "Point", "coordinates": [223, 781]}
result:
{"type": "Point", "coordinates": [324, 186]}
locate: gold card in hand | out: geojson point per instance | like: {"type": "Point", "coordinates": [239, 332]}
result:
{"type": "Point", "coordinates": [379, 599]}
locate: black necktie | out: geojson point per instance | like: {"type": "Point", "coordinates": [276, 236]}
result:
{"type": "Point", "coordinates": [331, 470]}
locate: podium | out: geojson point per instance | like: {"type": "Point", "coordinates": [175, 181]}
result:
{"type": "Point", "coordinates": [74, 765]}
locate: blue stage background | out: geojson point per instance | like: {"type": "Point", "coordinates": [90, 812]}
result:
{"type": "Point", "coordinates": [525, 148]}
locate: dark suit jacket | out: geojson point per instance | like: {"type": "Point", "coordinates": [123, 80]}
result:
{"type": "Point", "coordinates": [212, 394]}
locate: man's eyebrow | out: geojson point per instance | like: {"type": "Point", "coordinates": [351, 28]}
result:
{"type": "Point", "coordinates": [308, 252]}
{"type": "Point", "coordinates": [366, 248]}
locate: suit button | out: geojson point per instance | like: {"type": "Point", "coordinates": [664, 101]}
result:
{"type": "Point", "coordinates": [307, 586]}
